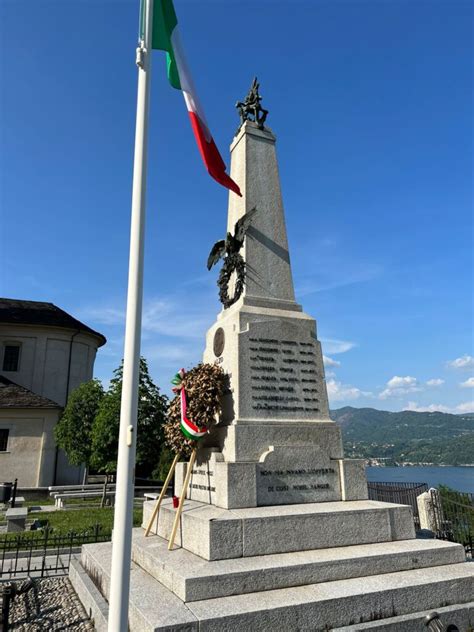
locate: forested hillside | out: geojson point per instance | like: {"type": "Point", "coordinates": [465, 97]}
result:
{"type": "Point", "coordinates": [407, 437]}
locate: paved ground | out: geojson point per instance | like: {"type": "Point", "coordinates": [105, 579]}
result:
{"type": "Point", "coordinates": [51, 604]}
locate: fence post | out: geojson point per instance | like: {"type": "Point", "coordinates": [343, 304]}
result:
{"type": "Point", "coordinates": [15, 485]}
{"type": "Point", "coordinates": [6, 599]}
{"type": "Point", "coordinates": [426, 511]}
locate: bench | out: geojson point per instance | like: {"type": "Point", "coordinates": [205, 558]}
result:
{"type": "Point", "coordinates": [59, 498]}
{"type": "Point", "coordinates": [16, 519]}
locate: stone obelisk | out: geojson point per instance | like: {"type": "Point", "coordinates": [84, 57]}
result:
{"type": "Point", "coordinates": [275, 442]}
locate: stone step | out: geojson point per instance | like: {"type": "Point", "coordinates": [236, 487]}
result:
{"type": "Point", "coordinates": [462, 616]}
{"type": "Point", "coordinates": [152, 607]}
{"type": "Point", "coordinates": [315, 607]}
{"type": "Point", "coordinates": [192, 578]}
{"type": "Point", "coordinates": [319, 607]}
{"type": "Point", "coordinates": [216, 534]}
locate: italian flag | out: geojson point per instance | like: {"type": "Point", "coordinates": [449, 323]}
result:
{"type": "Point", "coordinates": [166, 36]}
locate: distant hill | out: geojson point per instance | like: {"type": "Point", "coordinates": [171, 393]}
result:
{"type": "Point", "coordinates": [407, 437]}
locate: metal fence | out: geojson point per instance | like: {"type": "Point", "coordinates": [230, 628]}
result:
{"type": "Point", "coordinates": [402, 493]}
{"type": "Point", "coordinates": [44, 553]}
{"type": "Point", "coordinates": [454, 517]}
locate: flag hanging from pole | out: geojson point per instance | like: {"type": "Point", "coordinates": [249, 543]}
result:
{"type": "Point", "coordinates": [166, 36]}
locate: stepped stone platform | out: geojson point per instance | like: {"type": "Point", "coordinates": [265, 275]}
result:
{"type": "Point", "coordinates": [381, 586]}
{"type": "Point", "coordinates": [290, 570]}
{"type": "Point", "coordinates": [216, 534]}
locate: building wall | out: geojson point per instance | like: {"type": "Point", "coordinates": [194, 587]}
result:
{"type": "Point", "coordinates": [31, 451]}
{"type": "Point", "coordinates": [53, 362]}
{"type": "Point", "coordinates": [44, 359]}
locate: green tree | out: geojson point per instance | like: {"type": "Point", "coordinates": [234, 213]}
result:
{"type": "Point", "coordinates": [152, 407]}
{"type": "Point", "coordinates": [73, 432]}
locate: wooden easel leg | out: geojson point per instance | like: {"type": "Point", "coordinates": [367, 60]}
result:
{"type": "Point", "coordinates": [156, 508]}
{"type": "Point", "coordinates": [181, 499]}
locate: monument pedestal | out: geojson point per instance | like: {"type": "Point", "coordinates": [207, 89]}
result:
{"type": "Point", "coordinates": [383, 586]}
{"type": "Point", "coordinates": [277, 533]}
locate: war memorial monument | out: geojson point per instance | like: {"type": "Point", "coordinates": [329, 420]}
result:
{"type": "Point", "coordinates": [277, 532]}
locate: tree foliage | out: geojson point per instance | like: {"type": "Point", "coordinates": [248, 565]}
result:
{"type": "Point", "coordinates": [73, 432]}
{"type": "Point", "coordinates": [152, 407]}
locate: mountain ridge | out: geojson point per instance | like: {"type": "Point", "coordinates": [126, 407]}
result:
{"type": "Point", "coordinates": [407, 436]}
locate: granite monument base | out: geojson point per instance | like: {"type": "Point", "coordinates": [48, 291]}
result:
{"type": "Point", "coordinates": [283, 475]}
{"type": "Point", "coordinates": [343, 565]}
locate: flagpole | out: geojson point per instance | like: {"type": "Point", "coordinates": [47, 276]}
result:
{"type": "Point", "coordinates": [123, 515]}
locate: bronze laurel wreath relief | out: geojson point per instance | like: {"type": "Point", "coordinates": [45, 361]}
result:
{"type": "Point", "coordinates": [232, 262]}
{"type": "Point", "coordinates": [228, 249]}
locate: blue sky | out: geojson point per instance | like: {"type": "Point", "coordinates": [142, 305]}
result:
{"type": "Point", "coordinates": [371, 103]}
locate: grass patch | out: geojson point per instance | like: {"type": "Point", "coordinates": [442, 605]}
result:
{"type": "Point", "coordinates": [77, 520]}
{"type": "Point", "coordinates": [46, 500]}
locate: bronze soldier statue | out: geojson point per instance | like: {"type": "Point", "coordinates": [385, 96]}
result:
{"type": "Point", "coordinates": [250, 107]}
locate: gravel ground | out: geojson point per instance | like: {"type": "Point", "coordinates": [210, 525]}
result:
{"type": "Point", "coordinates": [51, 604]}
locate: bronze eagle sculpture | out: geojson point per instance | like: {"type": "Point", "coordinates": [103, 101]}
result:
{"type": "Point", "coordinates": [228, 249]}
{"type": "Point", "coordinates": [232, 243]}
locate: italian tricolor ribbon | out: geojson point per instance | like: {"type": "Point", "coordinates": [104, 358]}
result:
{"type": "Point", "coordinates": [166, 36]}
{"type": "Point", "coordinates": [188, 428]}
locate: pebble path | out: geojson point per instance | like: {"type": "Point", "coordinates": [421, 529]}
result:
{"type": "Point", "coordinates": [51, 604]}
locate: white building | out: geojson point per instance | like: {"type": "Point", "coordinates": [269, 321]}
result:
{"type": "Point", "coordinates": [44, 355]}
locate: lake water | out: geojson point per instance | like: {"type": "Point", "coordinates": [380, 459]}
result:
{"type": "Point", "coordinates": [460, 478]}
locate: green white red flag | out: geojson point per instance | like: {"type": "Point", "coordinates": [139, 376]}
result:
{"type": "Point", "coordinates": [166, 36]}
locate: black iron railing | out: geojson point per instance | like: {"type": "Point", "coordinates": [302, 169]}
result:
{"type": "Point", "coordinates": [44, 553]}
{"type": "Point", "coordinates": [402, 493]}
{"type": "Point", "coordinates": [454, 517]}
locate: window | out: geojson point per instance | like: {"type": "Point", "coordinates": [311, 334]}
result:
{"type": "Point", "coordinates": [11, 357]}
{"type": "Point", "coordinates": [3, 439]}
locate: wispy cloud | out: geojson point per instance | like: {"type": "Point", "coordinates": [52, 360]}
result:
{"type": "Point", "coordinates": [464, 362]}
{"type": "Point", "coordinates": [465, 407]}
{"type": "Point", "coordinates": [431, 408]}
{"type": "Point", "coordinates": [435, 382]}
{"type": "Point", "coordinates": [469, 383]}
{"type": "Point", "coordinates": [172, 318]}
{"type": "Point", "coordinates": [398, 386]}
{"type": "Point", "coordinates": [330, 362]}
{"type": "Point", "coordinates": [331, 345]}
{"type": "Point", "coordinates": [344, 392]}
{"type": "Point", "coordinates": [339, 274]}
{"type": "Point", "coordinates": [103, 315]}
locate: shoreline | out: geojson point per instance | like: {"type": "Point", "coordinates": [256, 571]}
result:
{"type": "Point", "coordinates": [368, 463]}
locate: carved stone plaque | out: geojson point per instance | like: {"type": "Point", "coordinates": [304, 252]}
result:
{"type": "Point", "coordinates": [219, 342]}
{"type": "Point", "coordinates": [296, 474]}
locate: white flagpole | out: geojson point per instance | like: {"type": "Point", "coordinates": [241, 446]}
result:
{"type": "Point", "coordinates": [123, 515]}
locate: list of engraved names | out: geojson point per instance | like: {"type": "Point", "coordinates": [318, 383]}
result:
{"type": "Point", "coordinates": [283, 376]}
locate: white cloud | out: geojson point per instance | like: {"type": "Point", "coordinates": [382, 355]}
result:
{"type": "Point", "coordinates": [466, 407]}
{"type": "Point", "coordinates": [464, 362]}
{"type": "Point", "coordinates": [401, 382]}
{"type": "Point", "coordinates": [398, 385]}
{"type": "Point", "coordinates": [331, 345]}
{"type": "Point", "coordinates": [330, 362]}
{"type": "Point", "coordinates": [469, 383]}
{"type": "Point", "coordinates": [431, 408]}
{"type": "Point", "coordinates": [338, 391]}
{"type": "Point", "coordinates": [435, 382]}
